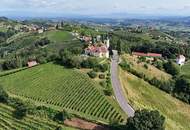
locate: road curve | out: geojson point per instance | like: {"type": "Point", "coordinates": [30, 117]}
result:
{"type": "Point", "coordinates": [117, 88]}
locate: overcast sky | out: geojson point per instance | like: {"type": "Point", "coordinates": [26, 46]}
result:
{"type": "Point", "coordinates": [39, 7]}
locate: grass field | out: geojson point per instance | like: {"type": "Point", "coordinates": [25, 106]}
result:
{"type": "Point", "coordinates": [151, 72]}
{"type": "Point", "coordinates": [142, 95]}
{"type": "Point", "coordinates": [8, 122]}
{"type": "Point", "coordinates": [58, 36]}
{"type": "Point", "coordinates": [185, 70]}
{"type": "Point", "coordinates": [61, 88]}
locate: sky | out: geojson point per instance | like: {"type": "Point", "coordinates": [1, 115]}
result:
{"type": "Point", "coordinates": [94, 7]}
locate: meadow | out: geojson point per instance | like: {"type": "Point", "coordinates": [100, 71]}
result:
{"type": "Point", "coordinates": [61, 88]}
{"type": "Point", "coordinates": [149, 72]}
{"type": "Point", "coordinates": [8, 122]}
{"type": "Point", "coordinates": [142, 95]}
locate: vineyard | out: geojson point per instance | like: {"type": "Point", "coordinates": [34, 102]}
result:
{"type": "Point", "coordinates": [7, 122]}
{"type": "Point", "coordinates": [63, 89]}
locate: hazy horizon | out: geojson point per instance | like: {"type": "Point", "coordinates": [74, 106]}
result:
{"type": "Point", "coordinates": [49, 8]}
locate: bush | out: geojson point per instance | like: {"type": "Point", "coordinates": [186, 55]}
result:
{"type": "Point", "coordinates": [92, 74]}
{"type": "Point", "coordinates": [172, 68]}
{"type": "Point", "coordinates": [102, 76]}
{"type": "Point", "coordinates": [62, 116]}
{"type": "Point", "coordinates": [145, 66]}
{"type": "Point", "coordinates": [103, 84]}
{"type": "Point", "coordinates": [146, 120]}
{"type": "Point", "coordinates": [3, 95]}
{"type": "Point", "coordinates": [108, 92]}
{"type": "Point", "coordinates": [20, 111]}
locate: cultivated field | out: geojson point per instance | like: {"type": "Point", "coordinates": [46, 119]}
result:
{"type": "Point", "coordinates": [8, 122]}
{"type": "Point", "coordinates": [143, 95]}
{"type": "Point", "coordinates": [61, 88]}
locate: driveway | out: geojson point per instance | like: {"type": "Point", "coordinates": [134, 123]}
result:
{"type": "Point", "coordinates": [120, 97]}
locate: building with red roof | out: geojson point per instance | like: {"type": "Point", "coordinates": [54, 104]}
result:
{"type": "Point", "coordinates": [147, 54]}
{"type": "Point", "coordinates": [98, 50]}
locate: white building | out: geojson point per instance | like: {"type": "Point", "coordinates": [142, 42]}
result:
{"type": "Point", "coordinates": [180, 60]}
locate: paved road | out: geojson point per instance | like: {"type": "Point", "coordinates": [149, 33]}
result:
{"type": "Point", "coordinates": [118, 88]}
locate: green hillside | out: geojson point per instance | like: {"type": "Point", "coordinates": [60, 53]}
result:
{"type": "Point", "coordinates": [185, 70]}
{"type": "Point", "coordinates": [61, 88]}
{"type": "Point", "coordinates": [8, 122]}
{"type": "Point", "coordinates": [143, 95]}
{"type": "Point", "coordinates": [58, 36]}
{"type": "Point", "coordinates": [150, 72]}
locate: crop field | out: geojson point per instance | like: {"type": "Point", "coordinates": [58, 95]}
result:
{"type": "Point", "coordinates": [151, 72]}
{"type": "Point", "coordinates": [8, 122]}
{"type": "Point", "coordinates": [185, 70]}
{"type": "Point", "coordinates": [142, 95]}
{"type": "Point", "coordinates": [62, 88]}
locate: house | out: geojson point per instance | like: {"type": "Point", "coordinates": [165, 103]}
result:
{"type": "Point", "coordinates": [86, 38]}
{"type": "Point", "coordinates": [40, 31]}
{"type": "Point", "coordinates": [147, 54]}
{"type": "Point", "coordinates": [32, 63]}
{"type": "Point", "coordinates": [100, 50]}
{"type": "Point", "coordinates": [180, 60]}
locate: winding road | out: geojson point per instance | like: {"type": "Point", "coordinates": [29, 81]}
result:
{"type": "Point", "coordinates": [120, 97]}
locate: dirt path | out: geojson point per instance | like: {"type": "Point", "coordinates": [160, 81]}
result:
{"type": "Point", "coordinates": [84, 125]}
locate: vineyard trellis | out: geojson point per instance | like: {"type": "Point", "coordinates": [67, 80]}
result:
{"type": "Point", "coordinates": [64, 88]}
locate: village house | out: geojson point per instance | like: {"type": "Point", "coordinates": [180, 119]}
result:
{"type": "Point", "coordinates": [100, 50]}
{"type": "Point", "coordinates": [180, 60]}
{"type": "Point", "coordinates": [32, 63]}
{"type": "Point", "coordinates": [147, 54]}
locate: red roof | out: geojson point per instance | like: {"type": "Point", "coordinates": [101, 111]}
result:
{"type": "Point", "coordinates": [95, 49]}
{"type": "Point", "coordinates": [147, 54]}
{"type": "Point", "coordinates": [154, 54]}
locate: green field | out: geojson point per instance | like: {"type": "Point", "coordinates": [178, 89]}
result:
{"type": "Point", "coordinates": [61, 88]}
{"type": "Point", "coordinates": [185, 70]}
{"type": "Point", "coordinates": [58, 36]}
{"type": "Point", "coordinates": [8, 122]}
{"type": "Point", "coordinates": [142, 95]}
{"type": "Point", "coordinates": [151, 72]}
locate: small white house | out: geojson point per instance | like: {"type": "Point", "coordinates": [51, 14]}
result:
{"type": "Point", "coordinates": [180, 60]}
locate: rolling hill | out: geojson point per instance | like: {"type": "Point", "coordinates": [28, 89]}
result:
{"type": "Point", "coordinates": [142, 95]}
{"type": "Point", "coordinates": [60, 88]}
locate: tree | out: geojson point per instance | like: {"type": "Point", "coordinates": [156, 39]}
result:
{"type": "Point", "coordinates": [146, 120]}
{"type": "Point", "coordinates": [172, 68]}
{"type": "Point", "coordinates": [3, 95]}
{"type": "Point", "coordinates": [57, 26]}
{"type": "Point", "coordinates": [62, 24]}
{"type": "Point", "coordinates": [119, 48]}
{"type": "Point", "coordinates": [20, 110]}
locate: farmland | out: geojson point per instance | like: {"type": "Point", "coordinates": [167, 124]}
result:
{"type": "Point", "coordinates": [29, 122]}
{"type": "Point", "coordinates": [143, 95]}
{"type": "Point", "coordinates": [62, 88]}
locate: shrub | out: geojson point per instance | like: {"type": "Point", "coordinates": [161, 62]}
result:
{"type": "Point", "coordinates": [108, 92]}
{"type": "Point", "coordinates": [146, 120]}
{"type": "Point", "coordinates": [103, 84]}
{"type": "Point", "coordinates": [3, 95]}
{"type": "Point", "coordinates": [20, 111]}
{"type": "Point", "coordinates": [145, 66]}
{"type": "Point", "coordinates": [62, 116]}
{"type": "Point", "coordinates": [102, 76]}
{"type": "Point", "coordinates": [92, 74]}
{"type": "Point", "coordinates": [172, 68]}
